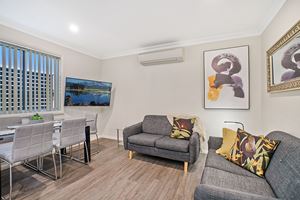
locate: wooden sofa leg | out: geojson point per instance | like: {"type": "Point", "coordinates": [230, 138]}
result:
{"type": "Point", "coordinates": [185, 167]}
{"type": "Point", "coordinates": [130, 154]}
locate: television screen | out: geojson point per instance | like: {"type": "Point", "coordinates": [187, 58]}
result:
{"type": "Point", "coordinates": [81, 92]}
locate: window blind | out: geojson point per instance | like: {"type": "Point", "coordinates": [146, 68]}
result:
{"type": "Point", "coordinates": [29, 80]}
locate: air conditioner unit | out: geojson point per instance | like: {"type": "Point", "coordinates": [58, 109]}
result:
{"type": "Point", "coordinates": [161, 57]}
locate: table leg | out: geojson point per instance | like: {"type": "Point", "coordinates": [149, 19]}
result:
{"type": "Point", "coordinates": [63, 151]}
{"type": "Point", "coordinates": [0, 181]}
{"type": "Point", "coordinates": [88, 144]}
{"type": "Point", "coordinates": [118, 140]}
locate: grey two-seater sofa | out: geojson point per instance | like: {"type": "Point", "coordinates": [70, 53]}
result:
{"type": "Point", "coordinates": [222, 179]}
{"type": "Point", "coordinates": [152, 137]}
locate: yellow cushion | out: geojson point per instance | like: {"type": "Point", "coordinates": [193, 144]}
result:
{"type": "Point", "coordinates": [229, 137]}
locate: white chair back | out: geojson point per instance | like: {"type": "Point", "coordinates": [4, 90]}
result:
{"type": "Point", "coordinates": [72, 132]}
{"type": "Point", "coordinates": [92, 124]}
{"type": "Point", "coordinates": [31, 141]}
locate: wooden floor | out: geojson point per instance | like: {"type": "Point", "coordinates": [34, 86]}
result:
{"type": "Point", "coordinates": [110, 175]}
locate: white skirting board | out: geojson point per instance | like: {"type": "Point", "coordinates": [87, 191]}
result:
{"type": "Point", "coordinates": [111, 136]}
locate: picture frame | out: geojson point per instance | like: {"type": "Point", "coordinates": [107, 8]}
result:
{"type": "Point", "coordinates": [226, 78]}
{"type": "Point", "coordinates": [283, 62]}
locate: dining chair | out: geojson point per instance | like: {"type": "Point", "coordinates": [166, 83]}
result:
{"type": "Point", "coordinates": [30, 141]}
{"type": "Point", "coordinates": [72, 133]}
{"type": "Point", "coordinates": [92, 123]}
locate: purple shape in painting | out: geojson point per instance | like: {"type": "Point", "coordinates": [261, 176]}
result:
{"type": "Point", "coordinates": [288, 63]}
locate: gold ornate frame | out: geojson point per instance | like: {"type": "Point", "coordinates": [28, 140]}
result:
{"type": "Point", "coordinates": [288, 85]}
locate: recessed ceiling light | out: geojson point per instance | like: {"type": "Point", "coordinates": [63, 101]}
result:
{"type": "Point", "coordinates": [74, 28]}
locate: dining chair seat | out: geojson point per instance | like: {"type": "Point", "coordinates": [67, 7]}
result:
{"type": "Point", "coordinates": [6, 151]}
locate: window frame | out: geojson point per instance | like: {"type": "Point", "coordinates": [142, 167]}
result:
{"type": "Point", "coordinates": [35, 68]}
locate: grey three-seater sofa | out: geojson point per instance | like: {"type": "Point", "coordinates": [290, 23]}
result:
{"type": "Point", "coordinates": [222, 179]}
{"type": "Point", "coordinates": [152, 137]}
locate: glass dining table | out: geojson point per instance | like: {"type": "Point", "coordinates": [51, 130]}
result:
{"type": "Point", "coordinates": [10, 131]}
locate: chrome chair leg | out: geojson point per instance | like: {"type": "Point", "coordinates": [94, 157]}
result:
{"type": "Point", "coordinates": [37, 163]}
{"type": "Point", "coordinates": [27, 163]}
{"type": "Point", "coordinates": [10, 181]}
{"type": "Point", "coordinates": [79, 159]}
{"type": "Point", "coordinates": [98, 143]}
{"type": "Point", "coordinates": [60, 164]}
{"type": "Point", "coordinates": [10, 178]}
{"type": "Point", "coordinates": [41, 163]}
{"type": "Point", "coordinates": [54, 163]}
{"type": "Point", "coordinates": [79, 152]}
{"type": "Point", "coordinates": [71, 151]}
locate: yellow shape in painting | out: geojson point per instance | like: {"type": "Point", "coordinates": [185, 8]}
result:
{"type": "Point", "coordinates": [213, 94]}
{"type": "Point", "coordinates": [211, 81]}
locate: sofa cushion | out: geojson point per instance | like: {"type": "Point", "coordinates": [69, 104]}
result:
{"type": "Point", "coordinates": [144, 139]}
{"type": "Point", "coordinates": [219, 162]}
{"type": "Point", "coordinates": [163, 153]}
{"type": "Point", "coordinates": [227, 180]}
{"type": "Point", "coordinates": [157, 124]}
{"type": "Point", "coordinates": [211, 192]}
{"type": "Point", "coordinates": [283, 173]}
{"type": "Point", "coordinates": [172, 144]}
{"type": "Point", "coordinates": [253, 152]}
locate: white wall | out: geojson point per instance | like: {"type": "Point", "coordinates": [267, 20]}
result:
{"type": "Point", "coordinates": [281, 111]}
{"type": "Point", "coordinates": [176, 88]}
{"type": "Point", "coordinates": [74, 64]}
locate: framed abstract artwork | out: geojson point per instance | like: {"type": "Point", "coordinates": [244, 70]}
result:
{"type": "Point", "coordinates": [226, 77]}
{"type": "Point", "coordinates": [283, 62]}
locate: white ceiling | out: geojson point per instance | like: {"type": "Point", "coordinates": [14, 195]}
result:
{"type": "Point", "coordinates": [111, 28]}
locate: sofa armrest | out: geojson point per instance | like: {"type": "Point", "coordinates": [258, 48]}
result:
{"type": "Point", "coordinates": [204, 192]}
{"type": "Point", "coordinates": [129, 131]}
{"type": "Point", "coordinates": [194, 147]}
{"type": "Point", "coordinates": [214, 142]}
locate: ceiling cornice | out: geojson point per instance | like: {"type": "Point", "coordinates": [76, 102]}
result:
{"type": "Point", "coordinates": [186, 43]}
{"type": "Point", "coordinates": [260, 29]}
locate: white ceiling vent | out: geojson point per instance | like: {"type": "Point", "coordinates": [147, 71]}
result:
{"type": "Point", "coordinates": [161, 57]}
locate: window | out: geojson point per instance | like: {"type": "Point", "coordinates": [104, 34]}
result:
{"type": "Point", "coordinates": [29, 80]}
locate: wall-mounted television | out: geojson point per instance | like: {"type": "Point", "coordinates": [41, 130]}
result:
{"type": "Point", "coordinates": [80, 92]}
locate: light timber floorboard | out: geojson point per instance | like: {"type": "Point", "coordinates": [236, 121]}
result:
{"type": "Point", "coordinates": [110, 175]}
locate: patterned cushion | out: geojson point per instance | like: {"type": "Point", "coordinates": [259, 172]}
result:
{"type": "Point", "coordinates": [216, 161]}
{"type": "Point", "coordinates": [182, 128]}
{"type": "Point", "coordinates": [252, 152]}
